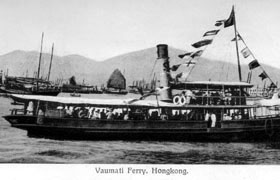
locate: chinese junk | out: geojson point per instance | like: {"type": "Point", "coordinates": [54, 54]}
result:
{"type": "Point", "coordinates": [116, 83]}
{"type": "Point", "coordinates": [28, 85]}
{"type": "Point", "coordinates": [31, 86]}
{"type": "Point", "coordinates": [206, 111]}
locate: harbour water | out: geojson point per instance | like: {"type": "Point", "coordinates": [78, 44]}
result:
{"type": "Point", "coordinates": [17, 147]}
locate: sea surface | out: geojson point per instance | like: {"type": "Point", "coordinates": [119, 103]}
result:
{"type": "Point", "coordinates": [17, 147]}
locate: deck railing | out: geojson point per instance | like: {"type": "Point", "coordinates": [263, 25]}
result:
{"type": "Point", "coordinates": [216, 100]}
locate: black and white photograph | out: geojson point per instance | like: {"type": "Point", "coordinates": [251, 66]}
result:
{"type": "Point", "coordinates": [133, 89]}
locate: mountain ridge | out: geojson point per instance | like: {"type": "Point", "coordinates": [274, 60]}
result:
{"type": "Point", "coordinates": [136, 65]}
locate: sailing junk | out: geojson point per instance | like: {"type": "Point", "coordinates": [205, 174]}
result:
{"type": "Point", "coordinates": [116, 80]}
{"type": "Point", "coordinates": [27, 85]}
{"type": "Point", "coordinates": [116, 83]}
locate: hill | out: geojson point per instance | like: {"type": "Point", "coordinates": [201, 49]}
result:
{"type": "Point", "coordinates": [135, 66]}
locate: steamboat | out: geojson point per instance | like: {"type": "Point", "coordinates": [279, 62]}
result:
{"type": "Point", "coordinates": [206, 111]}
{"type": "Point", "coordinates": [216, 111]}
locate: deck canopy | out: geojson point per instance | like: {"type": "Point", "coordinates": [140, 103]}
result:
{"type": "Point", "coordinates": [210, 85]}
{"type": "Point", "coordinates": [93, 102]}
{"type": "Point", "coordinates": [116, 102]}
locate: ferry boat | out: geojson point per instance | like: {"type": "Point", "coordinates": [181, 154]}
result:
{"type": "Point", "coordinates": [215, 111]}
{"type": "Point", "coordinates": [206, 111]}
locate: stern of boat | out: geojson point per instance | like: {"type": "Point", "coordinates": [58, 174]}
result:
{"type": "Point", "coordinates": [15, 120]}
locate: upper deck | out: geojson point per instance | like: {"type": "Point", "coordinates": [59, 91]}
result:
{"type": "Point", "coordinates": [210, 85]}
{"type": "Point", "coordinates": [120, 103]}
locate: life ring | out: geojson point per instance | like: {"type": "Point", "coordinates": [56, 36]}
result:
{"type": "Point", "coordinates": [81, 114]}
{"type": "Point", "coordinates": [183, 100]}
{"type": "Point", "coordinates": [177, 99]}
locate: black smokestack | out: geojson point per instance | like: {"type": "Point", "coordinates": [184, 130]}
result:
{"type": "Point", "coordinates": [162, 51]}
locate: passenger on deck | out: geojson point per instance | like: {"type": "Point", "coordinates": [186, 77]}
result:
{"type": "Point", "coordinates": [41, 115]}
{"type": "Point", "coordinates": [154, 115]}
{"type": "Point", "coordinates": [185, 116]}
{"type": "Point", "coordinates": [30, 108]}
{"type": "Point", "coordinates": [163, 116]}
{"type": "Point", "coordinates": [91, 112]}
{"type": "Point", "coordinates": [180, 116]}
{"type": "Point", "coordinates": [207, 116]}
{"type": "Point", "coordinates": [70, 110]}
{"type": "Point", "coordinates": [226, 117]}
{"type": "Point", "coordinates": [126, 116]}
{"type": "Point", "coordinates": [121, 116]}
{"type": "Point", "coordinates": [235, 116]}
{"type": "Point", "coordinates": [96, 114]}
{"type": "Point", "coordinates": [68, 113]}
{"type": "Point", "coordinates": [109, 114]}
{"type": "Point", "coordinates": [103, 114]}
{"type": "Point", "coordinates": [75, 112]}
{"type": "Point", "coordinates": [216, 97]}
{"type": "Point", "coordinates": [213, 119]}
{"type": "Point", "coordinates": [176, 116]}
{"type": "Point", "coordinates": [199, 97]}
{"type": "Point", "coordinates": [116, 116]}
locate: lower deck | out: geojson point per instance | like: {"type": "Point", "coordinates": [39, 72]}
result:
{"type": "Point", "coordinates": [261, 129]}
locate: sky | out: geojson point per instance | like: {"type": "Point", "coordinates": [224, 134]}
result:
{"type": "Point", "coordinates": [100, 29]}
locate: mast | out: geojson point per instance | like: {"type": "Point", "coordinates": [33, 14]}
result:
{"type": "Point", "coordinates": [50, 63]}
{"type": "Point", "coordinates": [40, 57]}
{"type": "Point", "coordinates": [236, 44]}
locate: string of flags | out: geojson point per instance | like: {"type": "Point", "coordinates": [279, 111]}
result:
{"type": "Point", "coordinates": [198, 45]}
{"type": "Point", "coordinates": [253, 64]}
{"type": "Point", "coordinates": [205, 42]}
{"type": "Point", "coordinates": [263, 75]}
{"type": "Point", "coordinates": [246, 52]}
{"type": "Point", "coordinates": [211, 33]}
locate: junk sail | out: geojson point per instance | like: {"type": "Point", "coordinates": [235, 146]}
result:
{"type": "Point", "coordinates": [117, 80]}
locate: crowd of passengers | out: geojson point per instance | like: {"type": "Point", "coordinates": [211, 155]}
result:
{"type": "Point", "coordinates": [94, 113]}
{"type": "Point", "coordinates": [214, 97]}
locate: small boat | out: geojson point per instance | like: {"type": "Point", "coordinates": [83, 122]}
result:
{"type": "Point", "coordinates": [75, 95]}
{"type": "Point", "coordinates": [73, 86]}
{"type": "Point", "coordinates": [139, 87]}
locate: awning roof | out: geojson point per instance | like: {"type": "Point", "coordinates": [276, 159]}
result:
{"type": "Point", "coordinates": [211, 84]}
{"type": "Point", "coordinates": [114, 102]}
{"type": "Point", "coordinates": [88, 101]}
